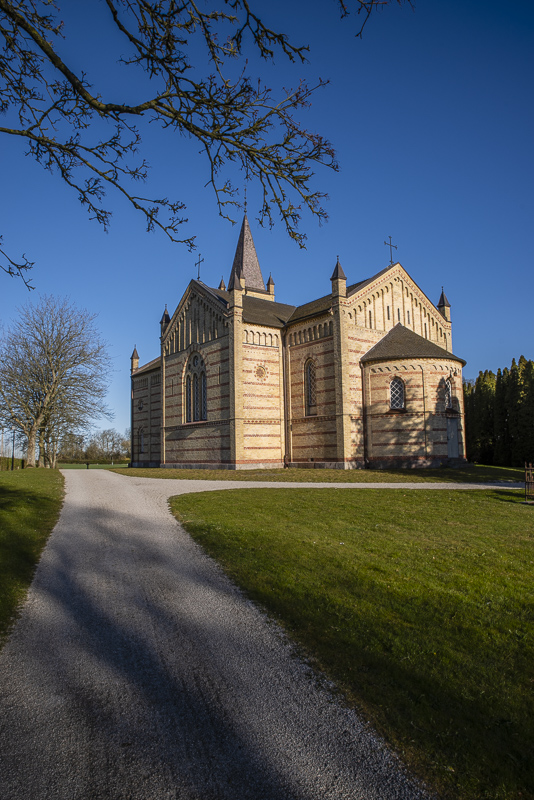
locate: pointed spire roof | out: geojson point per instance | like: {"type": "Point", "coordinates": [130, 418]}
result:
{"type": "Point", "coordinates": [135, 354]}
{"type": "Point", "coordinates": [270, 282]}
{"type": "Point", "coordinates": [222, 285]}
{"type": "Point", "coordinates": [235, 283]}
{"type": "Point", "coordinates": [165, 319]}
{"type": "Point", "coordinates": [338, 273]}
{"type": "Point", "coordinates": [443, 302]}
{"type": "Point", "coordinates": [246, 264]}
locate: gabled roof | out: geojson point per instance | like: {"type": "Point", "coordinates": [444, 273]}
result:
{"type": "Point", "coordinates": [320, 306]}
{"type": "Point", "coordinates": [154, 364]}
{"type": "Point", "coordinates": [246, 264]}
{"type": "Point", "coordinates": [362, 284]}
{"type": "Point", "coordinates": [266, 312]}
{"type": "Point", "coordinates": [257, 311]}
{"type": "Point", "coordinates": [401, 342]}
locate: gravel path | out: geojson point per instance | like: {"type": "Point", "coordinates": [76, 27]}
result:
{"type": "Point", "coordinates": [138, 672]}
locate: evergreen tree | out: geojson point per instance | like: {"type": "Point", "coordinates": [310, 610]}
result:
{"type": "Point", "coordinates": [527, 413]}
{"type": "Point", "coordinates": [484, 402]}
{"type": "Point", "coordinates": [513, 400]}
{"type": "Point", "coordinates": [502, 433]}
{"type": "Point", "coordinates": [469, 410]}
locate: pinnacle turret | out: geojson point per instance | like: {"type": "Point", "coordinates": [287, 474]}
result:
{"type": "Point", "coordinates": [444, 307]}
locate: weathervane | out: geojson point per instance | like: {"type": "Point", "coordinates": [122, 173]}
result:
{"type": "Point", "coordinates": [199, 262]}
{"type": "Point", "coordinates": [391, 246]}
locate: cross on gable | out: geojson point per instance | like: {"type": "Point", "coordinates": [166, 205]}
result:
{"type": "Point", "coordinates": [391, 246]}
{"type": "Point", "coordinates": [199, 262]}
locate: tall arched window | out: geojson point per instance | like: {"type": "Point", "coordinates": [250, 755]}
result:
{"type": "Point", "coordinates": [310, 387]}
{"type": "Point", "coordinates": [448, 393]}
{"type": "Point", "coordinates": [396, 394]}
{"type": "Point", "coordinates": [196, 399]}
{"type": "Point", "coordinates": [188, 410]}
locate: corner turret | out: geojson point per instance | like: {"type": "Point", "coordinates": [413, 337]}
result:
{"type": "Point", "coordinates": [443, 306]}
{"type": "Point", "coordinates": [164, 321]}
{"type": "Point", "coordinates": [134, 359]}
{"type": "Point", "coordinates": [339, 281]}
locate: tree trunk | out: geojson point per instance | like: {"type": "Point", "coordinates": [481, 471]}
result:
{"type": "Point", "coordinates": [30, 456]}
{"type": "Point", "coordinates": [42, 455]}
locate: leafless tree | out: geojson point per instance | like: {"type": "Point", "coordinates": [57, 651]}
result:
{"type": "Point", "coordinates": [59, 113]}
{"type": "Point", "coordinates": [54, 373]}
{"type": "Point", "coordinates": [108, 445]}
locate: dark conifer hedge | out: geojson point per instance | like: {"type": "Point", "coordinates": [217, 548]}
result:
{"type": "Point", "coordinates": [499, 415]}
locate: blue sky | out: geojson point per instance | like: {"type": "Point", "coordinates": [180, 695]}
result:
{"type": "Point", "coordinates": [432, 118]}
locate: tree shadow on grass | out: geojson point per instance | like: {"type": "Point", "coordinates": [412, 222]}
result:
{"type": "Point", "coordinates": [138, 672]}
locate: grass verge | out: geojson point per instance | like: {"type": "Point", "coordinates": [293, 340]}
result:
{"type": "Point", "coordinates": [470, 474]}
{"type": "Point", "coordinates": [419, 605]}
{"type": "Point", "coordinates": [30, 502]}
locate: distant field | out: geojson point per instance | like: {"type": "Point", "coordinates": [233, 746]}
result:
{"type": "Point", "coordinates": [471, 474]}
{"type": "Point", "coordinates": [30, 502]}
{"type": "Point", "coordinates": [92, 466]}
{"type": "Point", "coordinates": [419, 605]}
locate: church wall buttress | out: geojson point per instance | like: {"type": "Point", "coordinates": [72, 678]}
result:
{"type": "Point", "coordinates": [263, 405]}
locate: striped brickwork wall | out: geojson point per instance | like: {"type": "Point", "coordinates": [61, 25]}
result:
{"type": "Point", "coordinates": [203, 443]}
{"type": "Point", "coordinates": [262, 392]}
{"type": "Point", "coordinates": [146, 418]}
{"type": "Point", "coordinates": [419, 432]}
{"type": "Point", "coordinates": [395, 297]}
{"type": "Point", "coordinates": [313, 436]}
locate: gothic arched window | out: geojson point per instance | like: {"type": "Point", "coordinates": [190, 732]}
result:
{"type": "Point", "coordinates": [310, 387]}
{"type": "Point", "coordinates": [396, 394]}
{"type": "Point", "coordinates": [188, 413]}
{"type": "Point", "coordinates": [448, 393]}
{"type": "Point", "coordinates": [196, 399]}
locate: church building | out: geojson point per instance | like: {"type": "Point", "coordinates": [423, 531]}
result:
{"type": "Point", "coordinates": [363, 377]}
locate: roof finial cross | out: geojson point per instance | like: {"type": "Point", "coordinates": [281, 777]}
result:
{"type": "Point", "coordinates": [199, 262]}
{"type": "Point", "coordinates": [391, 246]}
{"type": "Point", "coordinates": [245, 199]}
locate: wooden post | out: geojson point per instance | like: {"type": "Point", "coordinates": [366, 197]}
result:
{"type": "Point", "coordinates": [529, 483]}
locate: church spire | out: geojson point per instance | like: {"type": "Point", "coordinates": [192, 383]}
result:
{"type": "Point", "coordinates": [246, 264]}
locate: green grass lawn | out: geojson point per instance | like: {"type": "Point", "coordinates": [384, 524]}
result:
{"type": "Point", "coordinates": [30, 502]}
{"type": "Point", "coordinates": [420, 605]}
{"type": "Point", "coordinates": [470, 474]}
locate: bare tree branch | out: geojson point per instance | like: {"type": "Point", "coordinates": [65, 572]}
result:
{"type": "Point", "coordinates": [237, 122]}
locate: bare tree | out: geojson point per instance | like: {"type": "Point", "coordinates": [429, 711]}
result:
{"type": "Point", "coordinates": [54, 372]}
{"type": "Point", "coordinates": [108, 445]}
{"type": "Point", "coordinates": [235, 121]}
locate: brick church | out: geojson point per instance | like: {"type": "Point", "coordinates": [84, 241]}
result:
{"type": "Point", "coordinates": [362, 377]}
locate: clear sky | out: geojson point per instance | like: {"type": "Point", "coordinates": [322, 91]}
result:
{"type": "Point", "coordinates": [432, 118]}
